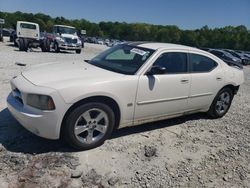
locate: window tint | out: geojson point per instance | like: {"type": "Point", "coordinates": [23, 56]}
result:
{"type": "Point", "coordinates": [120, 55]}
{"type": "Point", "coordinates": [174, 62]}
{"type": "Point", "coordinates": [27, 26]}
{"type": "Point", "coordinates": [200, 63]}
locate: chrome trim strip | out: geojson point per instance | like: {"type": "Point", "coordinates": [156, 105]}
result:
{"type": "Point", "coordinates": [201, 95]}
{"type": "Point", "coordinates": [161, 100]}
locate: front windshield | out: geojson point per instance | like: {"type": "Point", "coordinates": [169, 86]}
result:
{"type": "Point", "coordinates": [65, 30]}
{"type": "Point", "coordinates": [123, 59]}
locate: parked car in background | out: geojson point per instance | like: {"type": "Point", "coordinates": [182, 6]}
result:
{"type": "Point", "coordinates": [69, 100]}
{"type": "Point", "coordinates": [244, 60]}
{"type": "Point", "coordinates": [100, 41]}
{"type": "Point", "coordinates": [6, 32]}
{"type": "Point", "coordinates": [205, 49]}
{"type": "Point", "coordinates": [65, 38]}
{"type": "Point", "coordinates": [226, 57]}
{"type": "Point", "coordinates": [246, 55]}
{"type": "Point", "coordinates": [13, 37]}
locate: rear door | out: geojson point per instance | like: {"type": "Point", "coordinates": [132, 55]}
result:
{"type": "Point", "coordinates": [206, 80]}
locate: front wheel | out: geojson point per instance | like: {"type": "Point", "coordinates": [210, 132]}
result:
{"type": "Point", "coordinates": [221, 103]}
{"type": "Point", "coordinates": [21, 44]}
{"type": "Point", "coordinates": [57, 49]}
{"type": "Point", "coordinates": [78, 51]}
{"type": "Point", "coordinates": [88, 125]}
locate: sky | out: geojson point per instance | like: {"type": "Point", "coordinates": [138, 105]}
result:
{"type": "Point", "coordinates": [186, 14]}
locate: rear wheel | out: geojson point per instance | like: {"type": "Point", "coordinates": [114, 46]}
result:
{"type": "Point", "coordinates": [221, 103]}
{"type": "Point", "coordinates": [15, 43]}
{"type": "Point", "coordinates": [26, 44]}
{"type": "Point", "coordinates": [48, 45]}
{"type": "Point", "coordinates": [88, 125]}
{"type": "Point", "coordinates": [21, 44]}
{"type": "Point", "coordinates": [45, 46]}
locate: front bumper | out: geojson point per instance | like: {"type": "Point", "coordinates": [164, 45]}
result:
{"type": "Point", "coordinates": [41, 124]}
{"type": "Point", "coordinates": [45, 124]}
{"type": "Point", "coordinates": [66, 46]}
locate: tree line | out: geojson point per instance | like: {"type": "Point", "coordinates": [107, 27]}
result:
{"type": "Point", "coordinates": [229, 37]}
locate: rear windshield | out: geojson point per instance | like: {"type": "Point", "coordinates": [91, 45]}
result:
{"type": "Point", "coordinates": [27, 26]}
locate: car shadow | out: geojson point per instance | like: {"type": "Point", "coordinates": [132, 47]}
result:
{"type": "Point", "coordinates": [11, 45]}
{"type": "Point", "coordinates": [157, 125]}
{"type": "Point", "coordinates": [15, 138]}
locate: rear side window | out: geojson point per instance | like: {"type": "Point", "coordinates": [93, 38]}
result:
{"type": "Point", "coordinates": [174, 62]}
{"type": "Point", "coordinates": [27, 26]}
{"type": "Point", "coordinates": [200, 63]}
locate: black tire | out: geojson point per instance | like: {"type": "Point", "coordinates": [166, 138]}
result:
{"type": "Point", "coordinates": [57, 49]}
{"type": "Point", "coordinates": [21, 44]}
{"type": "Point", "coordinates": [15, 43]}
{"type": "Point", "coordinates": [68, 127]}
{"type": "Point", "coordinates": [43, 46]}
{"type": "Point", "coordinates": [214, 108]}
{"type": "Point", "coordinates": [78, 51]}
{"type": "Point", "coordinates": [47, 45]}
{"type": "Point", "coordinates": [25, 44]}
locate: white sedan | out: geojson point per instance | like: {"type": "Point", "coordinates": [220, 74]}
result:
{"type": "Point", "coordinates": [126, 85]}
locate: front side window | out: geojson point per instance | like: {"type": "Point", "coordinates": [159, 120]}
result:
{"type": "Point", "coordinates": [174, 62]}
{"type": "Point", "coordinates": [200, 63]}
{"type": "Point", "coordinates": [125, 59]}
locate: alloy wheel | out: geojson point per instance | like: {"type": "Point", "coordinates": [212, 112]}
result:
{"type": "Point", "coordinates": [91, 126]}
{"type": "Point", "coordinates": [223, 102]}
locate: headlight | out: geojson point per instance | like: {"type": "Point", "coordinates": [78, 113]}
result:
{"type": "Point", "coordinates": [42, 102]}
{"type": "Point", "coordinates": [79, 41]}
{"type": "Point", "coordinates": [61, 39]}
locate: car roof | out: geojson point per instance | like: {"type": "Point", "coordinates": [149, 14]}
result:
{"type": "Point", "coordinates": [27, 22]}
{"type": "Point", "coordinates": [159, 45]}
{"type": "Point", "coordinates": [65, 26]}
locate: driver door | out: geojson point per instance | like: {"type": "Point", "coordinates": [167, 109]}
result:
{"type": "Point", "coordinates": [166, 93]}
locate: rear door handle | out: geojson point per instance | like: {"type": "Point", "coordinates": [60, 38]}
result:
{"type": "Point", "coordinates": [184, 80]}
{"type": "Point", "coordinates": [218, 78]}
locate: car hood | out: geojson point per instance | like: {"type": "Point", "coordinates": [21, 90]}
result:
{"type": "Point", "coordinates": [69, 36]}
{"type": "Point", "coordinates": [60, 75]}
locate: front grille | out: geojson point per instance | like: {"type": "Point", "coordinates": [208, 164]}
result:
{"type": "Point", "coordinates": [70, 40]}
{"type": "Point", "coordinates": [17, 95]}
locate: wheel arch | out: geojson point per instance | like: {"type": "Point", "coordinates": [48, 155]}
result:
{"type": "Point", "coordinates": [232, 87]}
{"type": "Point", "coordinates": [99, 98]}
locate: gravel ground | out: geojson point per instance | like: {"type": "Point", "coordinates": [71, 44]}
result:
{"type": "Point", "coordinates": [191, 151]}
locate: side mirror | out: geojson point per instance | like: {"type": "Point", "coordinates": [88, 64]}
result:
{"type": "Point", "coordinates": [156, 70]}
